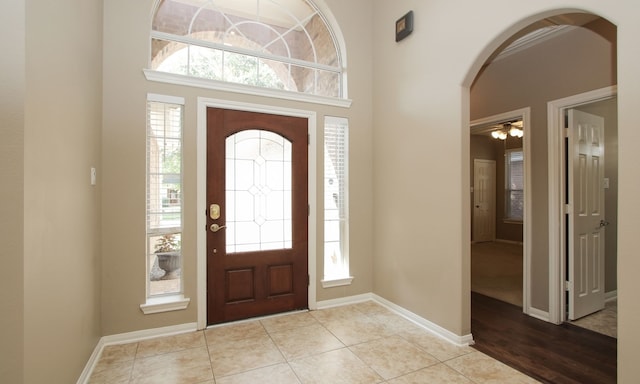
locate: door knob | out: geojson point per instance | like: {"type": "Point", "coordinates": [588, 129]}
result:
{"type": "Point", "coordinates": [215, 227]}
{"type": "Point", "coordinates": [603, 223]}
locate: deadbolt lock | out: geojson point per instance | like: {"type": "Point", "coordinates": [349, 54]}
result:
{"type": "Point", "coordinates": [214, 211]}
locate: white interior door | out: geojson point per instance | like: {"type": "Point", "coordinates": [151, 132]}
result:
{"type": "Point", "coordinates": [586, 214]}
{"type": "Point", "coordinates": [484, 200]}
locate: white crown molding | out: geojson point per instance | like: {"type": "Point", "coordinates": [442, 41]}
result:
{"type": "Point", "coordinates": [531, 39]}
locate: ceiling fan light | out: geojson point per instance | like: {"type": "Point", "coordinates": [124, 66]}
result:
{"type": "Point", "coordinates": [495, 134]}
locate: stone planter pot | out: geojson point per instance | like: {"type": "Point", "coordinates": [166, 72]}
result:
{"type": "Point", "coordinates": [170, 263]}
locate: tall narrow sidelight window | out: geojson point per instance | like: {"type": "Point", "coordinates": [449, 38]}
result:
{"type": "Point", "coordinates": [164, 195]}
{"type": "Point", "coordinates": [514, 184]}
{"type": "Point", "coordinates": [336, 198]}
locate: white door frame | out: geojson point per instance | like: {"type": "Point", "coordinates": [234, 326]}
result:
{"type": "Point", "coordinates": [480, 125]}
{"type": "Point", "coordinates": [201, 193]}
{"type": "Point", "coordinates": [557, 174]}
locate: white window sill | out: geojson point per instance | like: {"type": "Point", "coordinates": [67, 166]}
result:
{"type": "Point", "coordinates": [336, 282]}
{"type": "Point", "coordinates": [165, 304]}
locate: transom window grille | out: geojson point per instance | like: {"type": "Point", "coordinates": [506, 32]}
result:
{"type": "Point", "coordinates": [336, 212]}
{"type": "Point", "coordinates": [164, 197]}
{"type": "Point", "coordinates": [280, 44]}
{"type": "Point", "coordinates": [514, 184]}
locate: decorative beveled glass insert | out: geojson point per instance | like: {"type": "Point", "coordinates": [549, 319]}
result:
{"type": "Point", "coordinates": [258, 191]}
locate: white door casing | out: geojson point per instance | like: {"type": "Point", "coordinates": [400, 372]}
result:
{"type": "Point", "coordinates": [586, 213]}
{"type": "Point", "coordinates": [484, 200]}
{"type": "Point", "coordinates": [483, 125]}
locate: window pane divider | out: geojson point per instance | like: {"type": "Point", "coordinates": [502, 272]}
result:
{"type": "Point", "coordinates": [242, 51]}
{"type": "Point", "coordinates": [172, 78]}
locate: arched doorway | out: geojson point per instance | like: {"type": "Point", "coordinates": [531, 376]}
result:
{"type": "Point", "coordinates": [529, 74]}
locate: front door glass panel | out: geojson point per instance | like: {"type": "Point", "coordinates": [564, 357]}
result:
{"type": "Point", "coordinates": [258, 191]}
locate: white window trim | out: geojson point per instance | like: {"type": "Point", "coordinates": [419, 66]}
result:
{"type": "Point", "coordinates": [165, 304]}
{"type": "Point", "coordinates": [172, 78]}
{"type": "Point", "coordinates": [175, 302]}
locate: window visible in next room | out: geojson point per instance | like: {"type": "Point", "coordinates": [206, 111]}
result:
{"type": "Point", "coordinates": [514, 184]}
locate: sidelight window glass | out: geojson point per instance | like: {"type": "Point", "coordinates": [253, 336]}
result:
{"type": "Point", "coordinates": [336, 198]}
{"type": "Point", "coordinates": [164, 196]}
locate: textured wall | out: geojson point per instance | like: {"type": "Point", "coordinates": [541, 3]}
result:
{"type": "Point", "coordinates": [62, 210]}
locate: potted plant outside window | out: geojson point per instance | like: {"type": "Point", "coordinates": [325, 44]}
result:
{"type": "Point", "coordinates": [168, 252]}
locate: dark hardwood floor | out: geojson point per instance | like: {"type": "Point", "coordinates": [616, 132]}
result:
{"type": "Point", "coordinates": [548, 353]}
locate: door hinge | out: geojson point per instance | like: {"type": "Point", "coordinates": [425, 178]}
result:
{"type": "Point", "coordinates": [308, 280]}
{"type": "Point", "coordinates": [308, 210]}
{"type": "Point", "coordinates": [568, 209]}
{"type": "Point", "coordinates": [568, 286]}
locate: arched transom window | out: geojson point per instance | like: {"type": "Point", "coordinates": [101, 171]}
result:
{"type": "Point", "coordinates": [279, 44]}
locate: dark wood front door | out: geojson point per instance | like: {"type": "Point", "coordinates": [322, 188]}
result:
{"type": "Point", "coordinates": [257, 199]}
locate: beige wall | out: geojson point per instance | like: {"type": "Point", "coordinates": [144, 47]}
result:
{"type": "Point", "coordinates": [125, 55]}
{"type": "Point", "coordinates": [575, 62]}
{"type": "Point", "coordinates": [422, 112]}
{"type": "Point", "coordinates": [61, 210]}
{"type": "Point", "coordinates": [12, 83]}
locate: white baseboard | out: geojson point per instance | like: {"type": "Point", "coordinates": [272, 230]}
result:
{"type": "Point", "coordinates": [426, 324]}
{"type": "Point", "coordinates": [344, 301]}
{"type": "Point", "coordinates": [91, 364]}
{"type": "Point", "coordinates": [130, 337]}
{"type": "Point", "coordinates": [145, 334]}
{"type": "Point", "coordinates": [539, 314]}
{"type": "Point", "coordinates": [420, 321]}
{"type": "Point", "coordinates": [611, 295]}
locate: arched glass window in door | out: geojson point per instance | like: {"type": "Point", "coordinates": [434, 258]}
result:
{"type": "Point", "coordinates": [258, 191]}
{"type": "Point", "coordinates": [278, 44]}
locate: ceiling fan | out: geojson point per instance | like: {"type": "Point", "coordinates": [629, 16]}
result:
{"type": "Point", "coordinates": [508, 128]}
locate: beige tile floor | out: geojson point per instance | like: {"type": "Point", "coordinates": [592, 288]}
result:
{"type": "Point", "coordinates": [360, 343]}
{"type": "Point", "coordinates": [605, 321]}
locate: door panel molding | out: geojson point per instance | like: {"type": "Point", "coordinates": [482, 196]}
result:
{"type": "Point", "coordinates": [484, 200]}
{"type": "Point", "coordinates": [556, 177]}
{"type": "Point", "coordinates": [201, 193]}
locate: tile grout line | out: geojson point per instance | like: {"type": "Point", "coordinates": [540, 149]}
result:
{"type": "Point", "coordinates": [133, 366]}
{"type": "Point", "coordinates": [206, 344]}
